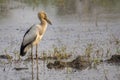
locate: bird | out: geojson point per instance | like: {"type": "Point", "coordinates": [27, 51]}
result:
{"type": "Point", "coordinates": [33, 36]}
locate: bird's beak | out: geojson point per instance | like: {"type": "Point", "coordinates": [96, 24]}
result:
{"type": "Point", "coordinates": [48, 21]}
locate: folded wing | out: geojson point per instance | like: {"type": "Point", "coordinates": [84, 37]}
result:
{"type": "Point", "coordinates": [28, 39]}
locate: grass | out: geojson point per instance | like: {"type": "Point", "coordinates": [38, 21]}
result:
{"type": "Point", "coordinates": [88, 50]}
{"type": "Point", "coordinates": [115, 41]}
{"type": "Point", "coordinates": [56, 53]}
{"type": "Point", "coordinates": [93, 53]}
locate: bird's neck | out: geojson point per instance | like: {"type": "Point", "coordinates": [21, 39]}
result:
{"type": "Point", "coordinates": [43, 23]}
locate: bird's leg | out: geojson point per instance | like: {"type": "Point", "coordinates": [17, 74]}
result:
{"type": "Point", "coordinates": [32, 61]}
{"type": "Point", "coordinates": [37, 61]}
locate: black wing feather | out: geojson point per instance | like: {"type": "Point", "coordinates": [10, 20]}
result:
{"type": "Point", "coordinates": [22, 51]}
{"type": "Point", "coordinates": [28, 38]}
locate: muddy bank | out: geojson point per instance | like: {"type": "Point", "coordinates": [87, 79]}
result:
{"type": "Point", "coordinates": [19, 69]}
{"type": "Point", "coordinates": [5, 56]}
{"type": "Point", "coordinates": [114, 59]}
{"type": "Point", "coordinates": [81, 62]}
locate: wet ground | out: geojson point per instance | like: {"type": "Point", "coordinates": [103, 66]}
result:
{"type": "Point", "coordinates": [85, 28]}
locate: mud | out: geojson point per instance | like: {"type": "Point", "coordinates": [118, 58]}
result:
{"type": "Point", "coordinates": [81, 62]}
{"type": "Point", "coordinates": [114, 59]}
{"type": "Point", "coordinates": [5, 56]}
{"type": "Point", "coordinates": [78, 63]}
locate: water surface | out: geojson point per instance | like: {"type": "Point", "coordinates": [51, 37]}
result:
{"type": "Point", "coordinates": [76, 23]}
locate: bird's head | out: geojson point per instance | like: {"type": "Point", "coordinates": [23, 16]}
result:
{"type": "Point", "coordinates": [43, 15]}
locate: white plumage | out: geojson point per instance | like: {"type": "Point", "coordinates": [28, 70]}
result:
{"type": "Point", "coordinates": [34, 34]}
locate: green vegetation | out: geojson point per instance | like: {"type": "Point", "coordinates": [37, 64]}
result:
{"type": "Point", "coordinates": [88, 50]}
{"type": "Point", "coordinates": [56, 53]}
{"type": "Point", "coordinates": [106, 3]}
{"type": "Point", "coordinates": [3, 1]}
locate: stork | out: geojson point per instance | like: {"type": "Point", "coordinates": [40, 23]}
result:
{"type": "Point", "coordinates": [33, 36]}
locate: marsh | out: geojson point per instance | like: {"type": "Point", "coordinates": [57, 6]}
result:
{"type": "Point", "coordinates": [79, 27]}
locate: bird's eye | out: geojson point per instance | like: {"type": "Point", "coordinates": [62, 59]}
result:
{"type": "Point", "coordinates": [45, 15]}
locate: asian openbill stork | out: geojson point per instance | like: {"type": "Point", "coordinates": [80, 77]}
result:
{"type": "Point", "coordinates": [33, 36]}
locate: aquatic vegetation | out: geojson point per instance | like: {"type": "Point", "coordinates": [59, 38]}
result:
{"type": "Point", "coordinates": [5, 56]}
{"type": "Point", "coordinates": [114, 59]}
{"type": "Point", "coordinates": [60, 53]}
{"type": "Point", "coordinates": [105, 3]}
{"type": "Point", "coordinates": [76, 63]}
{"type": "Point", "coordinates": [2, 1]}
{"type": "Point", "coordinates": [88, 50]}
{"type": "Point", "coordinates": [54, 54]}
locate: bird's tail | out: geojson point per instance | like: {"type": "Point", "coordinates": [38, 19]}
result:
{"type": "Point", "coordinates": [22, 50]}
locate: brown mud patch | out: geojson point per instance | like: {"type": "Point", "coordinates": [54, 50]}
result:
{"type": "Point", "coordinates": [19, 69]}
{"type": "Point", "coordinates": [6, 56]}
{"type": "Point", "coordinates": [114, 59]}
{"type": "Point", "coordinates": [80, 63]}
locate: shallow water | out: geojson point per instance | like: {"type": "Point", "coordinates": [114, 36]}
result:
{"type": "Point", "coordinates": [76, 24]}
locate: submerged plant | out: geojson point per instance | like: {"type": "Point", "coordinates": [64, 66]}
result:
{"type": "Point", "coordinates": [88, 50]}
{"type": "Point", "coordinates": [56, 53]}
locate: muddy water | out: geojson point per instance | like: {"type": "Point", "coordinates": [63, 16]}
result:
{"type": "Point", "coordinates": [76, 24]}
